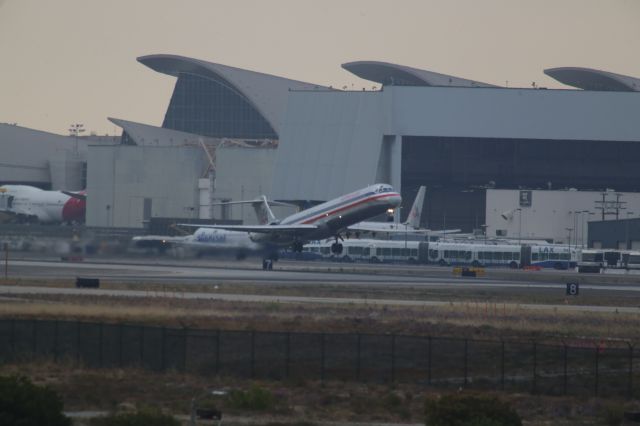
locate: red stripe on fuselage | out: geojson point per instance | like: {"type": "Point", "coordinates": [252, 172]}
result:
{"type": "Point", "coordinates": [366, 200]}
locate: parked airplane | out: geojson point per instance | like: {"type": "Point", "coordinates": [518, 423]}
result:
{"type": "Point", "coordinates": [410, 226]}
{"type": "Point", "coordinates": [326, 220]}
{"type": "Point", "coordinates": [204, 240]}
{"type": "Point", "coordinates": [30, 204]}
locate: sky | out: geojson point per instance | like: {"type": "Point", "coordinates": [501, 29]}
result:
{"type": "Point", "coordinates": [74, 61]}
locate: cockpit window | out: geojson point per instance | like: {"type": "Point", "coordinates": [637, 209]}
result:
{"type": "Point", "coordinates": [384, 188]}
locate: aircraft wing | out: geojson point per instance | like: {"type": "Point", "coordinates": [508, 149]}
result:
{"type": "Point", "coordinates": [164, 239]}
{"type": "Point", "coordinates": [262, 229]}
{"type": "Point", "coordinates": [391, 229]}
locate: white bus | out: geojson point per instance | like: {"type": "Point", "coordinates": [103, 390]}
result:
{"type": "Point", "coordinates": [445, 253]}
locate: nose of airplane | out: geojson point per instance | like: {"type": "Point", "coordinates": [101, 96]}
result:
{"type": "Point", "coordinates": [395, 200]}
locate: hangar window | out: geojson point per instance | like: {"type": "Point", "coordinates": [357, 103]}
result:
{"type": "Point", "coordinates": [213, 107]}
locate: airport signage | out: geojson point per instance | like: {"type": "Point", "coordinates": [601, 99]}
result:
{"type": "Point", "coordinates": [525, 198]}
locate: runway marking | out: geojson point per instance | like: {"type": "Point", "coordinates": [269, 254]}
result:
{"type": "Point", "coordinates": [31, 290]}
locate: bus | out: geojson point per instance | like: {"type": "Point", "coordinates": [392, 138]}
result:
{"type": "Point", "coordinates": [446, 253]}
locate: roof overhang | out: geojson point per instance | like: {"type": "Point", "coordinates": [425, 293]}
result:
{"type": "Point", "coordinates": [266, 93]}
{"type": "Point", "coordinates": [393, 74]}
{"type": "Point", "coordinates": [592, 79]}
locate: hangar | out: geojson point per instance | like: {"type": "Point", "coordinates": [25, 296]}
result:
{"type": "Point", "coordinates": [231, 134]}
{"type": "Point", "coordinates": [459, 138]}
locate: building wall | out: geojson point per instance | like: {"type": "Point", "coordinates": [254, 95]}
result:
{"type": "Point", "coordinates": [553, 215]}
{"type": "Point", "coordinates": [244, 174]}
{"type": "Point", "coordinates": [39, 158]}
{"type": "Point", "coordinates": [331, 141]}
{"type": "Point", "coordinates": [615, 234]}
{"type": "Point", "coordinates": [120, 179]}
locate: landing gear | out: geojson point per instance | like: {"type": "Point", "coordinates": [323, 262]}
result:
{"type": "Point", "coordinates": [297, 247]}
{"type": "Point", "coordinates": [336, 248]}
{"type": "Point", "coordinates": [267, 264]}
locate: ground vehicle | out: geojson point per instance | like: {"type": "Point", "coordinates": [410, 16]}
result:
{"type": "Point", "coordinates": [554, 256]}
{"type": "Point", "coordinates": [367, 250]}
{"type": "Point", "coordinates": [591, 261]}
{"type": "Point", "coordinates": [448, 253]}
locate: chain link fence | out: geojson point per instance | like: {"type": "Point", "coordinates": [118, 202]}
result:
{"type": "Point", "coordinates": [578, 367]}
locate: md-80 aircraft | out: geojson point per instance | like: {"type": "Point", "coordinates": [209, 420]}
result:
{"type": "Point", "coordinates": [326, 220]}
{"type": "Point", "coordinates": [30, 204]}
{"type": "Point", "coordinates": [410, 226]}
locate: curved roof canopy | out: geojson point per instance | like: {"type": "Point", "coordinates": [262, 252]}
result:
{"type": "Point", "coordinates": [591, 79]}
{"type": "Point", "coordinates": [266, 93]}
{"type": "Point", "coordinates": [389, 74]}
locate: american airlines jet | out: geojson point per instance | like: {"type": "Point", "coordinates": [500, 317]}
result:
{"type": "Point", "coordinates": [31, 204]}
{"type": "Point", "coordinates": [326, 220]}
{"type": "Point", "coordinates": [410, 226]}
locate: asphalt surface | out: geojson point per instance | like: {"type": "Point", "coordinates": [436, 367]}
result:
{"type": "Point", "coordinates": [357, 276]}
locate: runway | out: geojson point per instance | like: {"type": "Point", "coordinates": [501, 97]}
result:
{"type": "Point", "coordinates": [295, 273]}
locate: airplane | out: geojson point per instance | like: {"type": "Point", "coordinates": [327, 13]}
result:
{"type": "Point", "coordinates": [326, 220]}
{"type": "Point", "coordinates": [30, 204]}
{"type": "Point", "coordinates": [410, 226]}
{"type": "Point", "coordinates": [203, 240]}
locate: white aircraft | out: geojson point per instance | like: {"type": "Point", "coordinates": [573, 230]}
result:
{"type": "Point", "coordinates": [204, 240]}
{"type": "Point", "coordinates": [410, 226]}
{"type": "Point", "coordinates": [326, 220]}
{"type": "Point", "coordinates": [30, 204]}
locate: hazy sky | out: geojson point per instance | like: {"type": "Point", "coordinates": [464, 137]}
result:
{"type": "Point", "coordinates": [66, 61]}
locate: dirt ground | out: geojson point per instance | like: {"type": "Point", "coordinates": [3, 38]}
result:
{"type": "Point", "coordinates": [107, 390]}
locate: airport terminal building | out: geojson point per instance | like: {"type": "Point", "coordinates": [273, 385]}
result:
{"type": "Point", "coordinates": [231, 134]}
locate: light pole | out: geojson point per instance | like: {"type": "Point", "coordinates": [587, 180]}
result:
{"type": "Point", "coordinates": [626, 232]}
{"type": "Point", "coordinates": [519, 210]}
{"type": "Point", "coordinates": [75, 130]}
{"type": "Point", "coordinates": [569, 245]}
{"type": "Point", "coordinates": [484, 231]}
{"type": "Point", "coordinates": [583, 213]}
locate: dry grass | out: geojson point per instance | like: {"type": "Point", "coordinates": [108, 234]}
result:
{"type": "Point", "coordinates": [473, 320]}
{"type": "Point", "coordinates": [87, 389]}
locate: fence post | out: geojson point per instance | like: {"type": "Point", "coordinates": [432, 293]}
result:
{"type": "Point", "coordinates": [322, 357]}
{"type": "Point", "coordinates": [502, 365]}
{"type": "Point", "coordinates": [358, 356]}
{"type": "Point", "coordinates": [253, 355]}
{"type": "Point", "coordinates": [78, 342]}
{"type": "Point", "coordinates": [630, 390]}
{"type": "Point", "coordinates": [287, 354]}
{"type": "Point", "coordinates": [466, 360]}
{"type": "Point", "coordinates": [101, 346]}
{"type": "Point", "coordinates": [429, 360]}
{"type": "Point", "coordinates": [218, 351]}
{"type": "Point", "coordinates": [535, 366]}
{"type": "Point", "coordinates": [120, 344]}
{"type": "Point", "coordinates": [595, 391]}
{"type": "Point", "coordinates": [34, 338]}
{"type": "Point", "coordinates": [566, 359]}
{"type": "Point", "coordinates": [55, 341]}
{"type": "Point", "coordinates": [142, 346]}
{"type": "Point", "coordinates": [185, 343]}
{"type": "Point", "coordinates": [393, 358]}
{"type": "Point", "coordinates": [163, 348]}
{"type": "Point", "coordinates": [13, 339]}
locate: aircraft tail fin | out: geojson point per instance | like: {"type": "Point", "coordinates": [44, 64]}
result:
{"type": "Point", "coordinates": [415, 214]}
{"type": "Point", "coordinates": [263, 211]}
